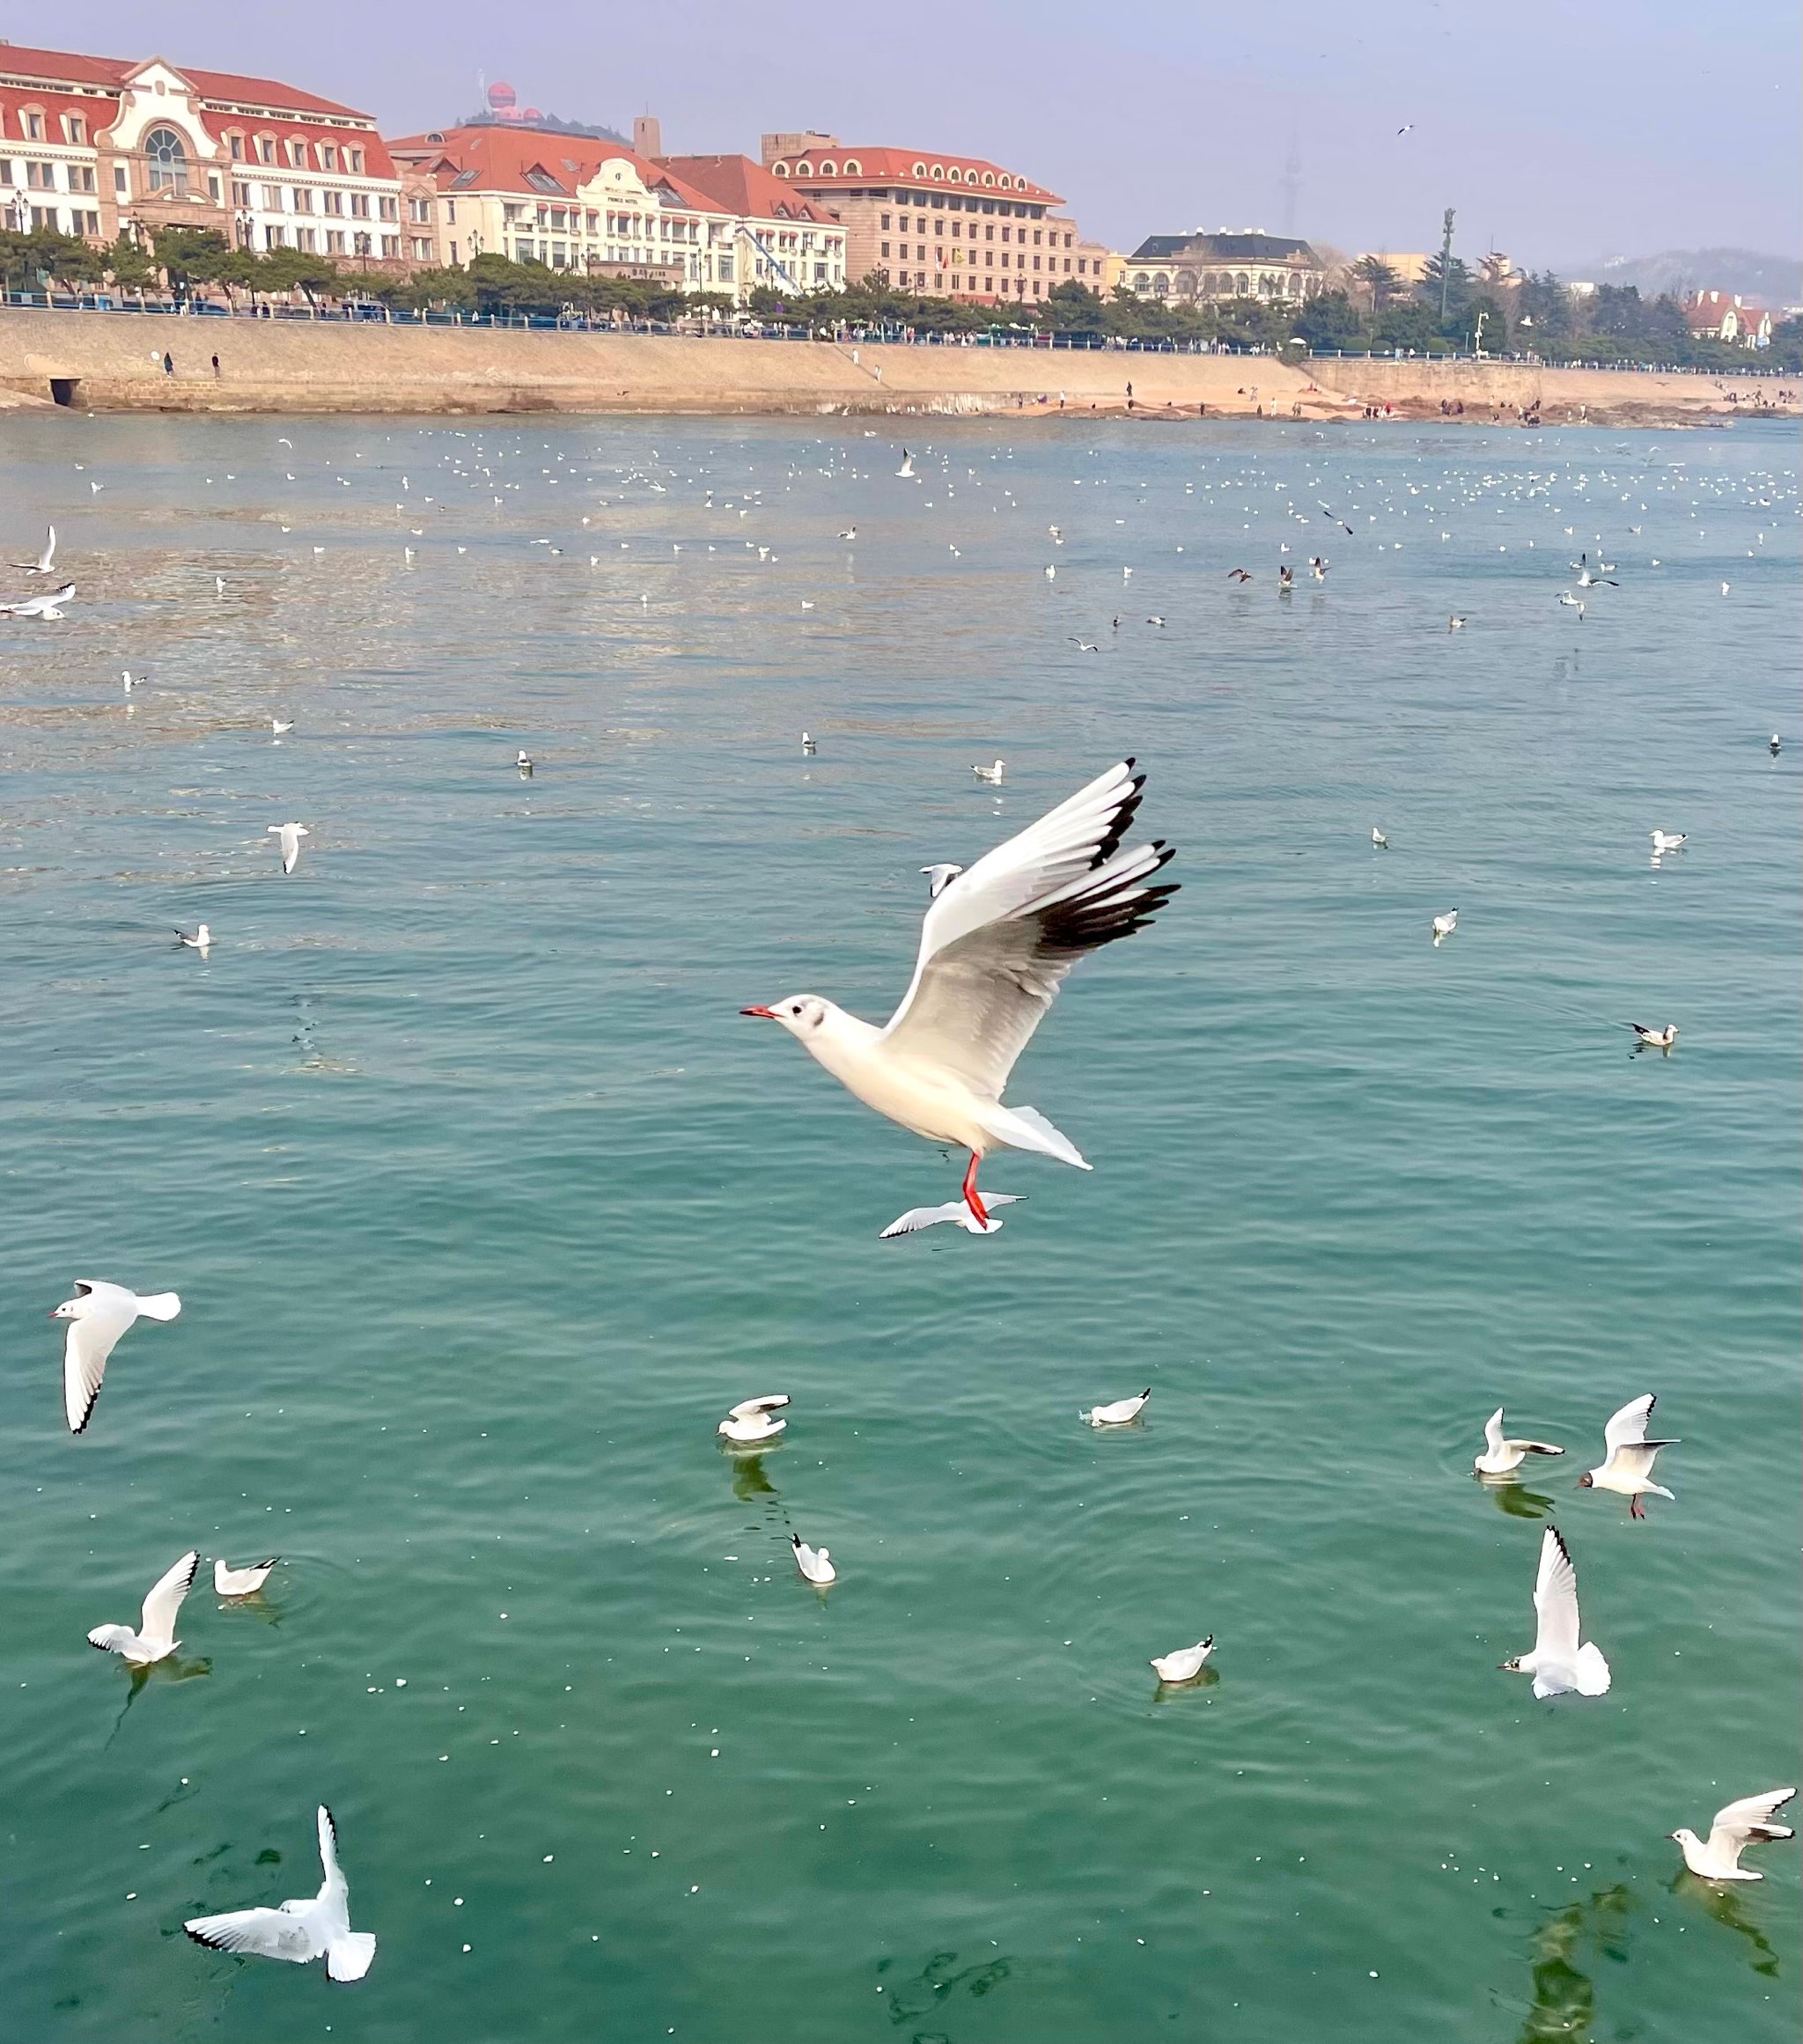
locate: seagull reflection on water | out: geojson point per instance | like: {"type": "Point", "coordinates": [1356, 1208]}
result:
{"type": "Point", "coordinates": [1729, 1908]}
{"type": "Point", "coordinates": [1564, 2008]}
{"type": "Point", "coordinates": [1515, 1499]}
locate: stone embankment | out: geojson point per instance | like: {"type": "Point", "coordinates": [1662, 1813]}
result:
{"type": "Point", "coordinates": [109, 362]}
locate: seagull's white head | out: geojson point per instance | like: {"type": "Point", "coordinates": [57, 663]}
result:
{"type": "Point", "coordinates": [72, 1309]}
{"type": "Point", "coordinates": [800, 1014]}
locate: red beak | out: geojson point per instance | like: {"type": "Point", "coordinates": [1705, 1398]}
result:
{"type": "Point", "coordinates": [768, 1014]}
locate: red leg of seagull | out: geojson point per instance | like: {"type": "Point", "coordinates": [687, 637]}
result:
{"type": "Point", "coordinates": [1635, 1510]}
{"type": "Point", "coordinates": [977, 1207]}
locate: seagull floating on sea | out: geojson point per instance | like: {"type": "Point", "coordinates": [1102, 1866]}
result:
{"type": "Point", "coordinates": [315, 1927]}
{"type": "Point", "coordinates": [753, 1420]}
{"type": "Point", "coordinates": [1654, 1039]}
{"type": "Point", "coordinates": [1445, 925]}
{"type": "Point", "coordinates": [522, 758]}
{"type": "Point", "coordinates": [98, 1315]}
{"type": "Point", "coordinates": [1664, 841]}
{"type": "Point", "coordinates": [815, 1563]}
{"type": "Point", "coordinates": [201, 941]}
{"type": "Point", "coordinates": [291, 836]}
{"type": "Point", "coordinates": [155, 1637]}
{"type": "Point", "coordinates": [1380, 842]}
{"type": "Point", "coordinates": [1627, 1464]}
{"type": "Point", "coordinates": [1500, 1456]}
{"type": "Point", "coordinates": [1558, 1662]}
{"type": "Point", "coordinates": [993, 775]}
{"type": "Point", "coordinates": [281, 726]}
{"type": "Point", "coordinates": [1120, 1413]}
{"type": "Point", "coordinates": [1734, 1826]}
{"type": "Point", "coordinates": [994, 949]}
{"type": "Point", "coordinates": [1185, 1664]}
{"type": "Point", "coordinates": [230, 1582]}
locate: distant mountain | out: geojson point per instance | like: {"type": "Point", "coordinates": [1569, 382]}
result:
{"type": "Point", "coordinates": [1769, 279]}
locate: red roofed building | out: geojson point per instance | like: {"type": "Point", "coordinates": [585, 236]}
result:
{"type": "Point", "coordinates": [581, 203]}
{"type": "Point", "coordinates": [100, 147]}
{"type": "Point", "coordinates": [1722, 316]}
{"type": "Point", "coordinates": [945, 225]}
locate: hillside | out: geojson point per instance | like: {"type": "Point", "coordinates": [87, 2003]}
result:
{"type": "Point", "coordinates": [1769, 279]}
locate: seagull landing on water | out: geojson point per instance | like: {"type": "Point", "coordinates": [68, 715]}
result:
{"type": "Point", "coordinates": [1501, 1455]}
{"type": "Point", "coordinates": [752, 1421]}
{"type": "Point", "coordinates": [1654, 1039]}
{"type": "Point", "coordinates": [1558, 1662]}
{"type": "Point", "coordinates": [1379, 841]}
{"type": "Point", "coordinates": [994, 949]}
{"type": "Point", "coordinates": [316, 1927]}
{"type": "Point", "coordinates": [992, 775]}
{"type": "Point", "coordinates": [1445, 925]}
{"type": "Point", "coordinates": [1734, 1826]}
{"type": "Point", "coordinates": [230, 1582]}
{"type": "Point", "coordinates": [1239, 574]}
{"type": "Point", "coordinates": [98, 1315]}
{"type": "Point", "coordinates": [291, 836]}
{"type": "Point", "coordinates": [906, 468]}
{"type": "Point", "coordinates": [1664, 841]}
{"type": "Point", "coordinates": [48, 605]}
{"type": "Point", "coordinates": [1185, 1664]}
{"type": "Point", "coordinates": [201, 941]}
{"type": "Point", "coordinates": [1122, 1413]}
{"type": "Point", "coordinates": [815, 1563]}
{"type": "Point", "coordinates": [1627, 1464]}
{"type": "Point", "coordinates": [1573, 602]}
{"type": "Point", "coordinates": [41, 565]}
{"type": "Point", "coordinates": [155, 1638]}
{"type": "Point", "coordinates": [915, 1218]}
{"type": "Point", "coordinates": [850, 532]}
{"type": "Point", "coordinates": [1318, 567]}
{"type": "Point", "coordinates": [940, 876]}
{"type": "Point", "coordinates": [1084, 646]}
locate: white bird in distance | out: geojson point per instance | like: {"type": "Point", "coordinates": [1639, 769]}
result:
{"type": "Point", "coordinates": [291, 836]}
{"type": "Point", "coordinates": [1664, 841]}
{"type": "Point", "coordinates": [993, 775]}
{"type": "Point", "coordinates": [906, 468]}
{"type": "Point", "coordinates": [1627, 1465]}
{"type": "Point", "coordinates": [994, 949]}
{"type": "Point", "coordinates": [48, 605]}
{"type": "Point", "coordinates": [41, 565]}
{"type": "Point", "coordinates": [1500, 1455]}
{"type": "Point", "coordinates": [915, 1218]}
{"type": "Point", "coordinates": [1445, 925]}
{"type": "Point", "coordinates": [1185, 1664]}
{"type": "Point", "coordinates": [1734, 1827]}
{"type": "Point", "coordinates": [155, 1638]}
{"type": "Point", "coordinates": [753, 1420]}
{"type": "Point", "coordinates": [1122, 1413]}
{"type": "Point", "coordinates": [201, 941]}
{"type": "Point", "coordinates": [940, 876]}
{"type": "Point", "coordinates": [1558, 1662]}
{"type": "Point", "coordinates": [98, 1315]}
{"type": "Point", "coordinates": [313, 1927]}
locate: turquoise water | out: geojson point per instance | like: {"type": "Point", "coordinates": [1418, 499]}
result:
{"type": "Point", "coordinates": [484, 1203]}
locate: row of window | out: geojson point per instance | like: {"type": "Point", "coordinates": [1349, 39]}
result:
{"type": "Point", "coordinates": [938, 173]}
{"type": "Point", "coordinates": [41, 177]}
{"type": "Point", "coordinates": [917, 281]}
{"type": "Point", "coordinates": [994, 261]}
{"type": "Point", "coordinates": [989, 233]}
{"type": "Point", "coordinates": [331, 241]}
{"type": "Point", "coordinates": [941, 204]}
{"type": "Point", "coordinates": [48, 220]}
{"type": "Point", "coordinates": [33, 126]}
{"type": "Point", "coordinates": [292, 150]}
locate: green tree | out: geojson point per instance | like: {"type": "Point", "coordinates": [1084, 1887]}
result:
{"type": "Point", "coordinates": [191, 255]}
{"type": "Point", "coordinates": [293, 269]}
{"type": "Point", "coordinates": [1458, 282]}
{"type": "Point", "coordinates": [1329, 319]}
{"type": "Point", "coordinates": [1381, 283]}
{"type": "Point", "coordinates": [1545, 302]}
{"type": "Point", "coordinates": [129, 267]}
{"type": "Point", "coordinates": [1073, 308]}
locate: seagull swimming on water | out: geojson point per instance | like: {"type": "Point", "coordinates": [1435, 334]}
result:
{"type": "Point", "coordinates": [1733, 1828]}
{"type": "Point", "coordinates": [1627, 1464]}
{"type": "Point", "coordinates": [1776, 745]}
{"type": "Point", "coordinates": [281, 726]}
{"type": "Point", "coordinates": [956, 1211]}
{"type": "Point", "coordinates": [291, 836]}
{"type": "Point", "coordinates": [201, 941]}
{"type": "Point", "coordinates": [155, 1637]}
{"type": "Point", "coordinates": [315, 1927]}
{"type": "Point", "coordinates": [992, 775]}
{"type": "Point", "coordinates": [815, 1563]}
{"type": "Point", "coordinates": [41, 565]}
{"type": "Point", "coordinates": [230, 1582]}
{"type": "Point", "coordinates": [1664, 841]}
{"type": "Point", "coordinates": [994, 949]}
{"type": "Point", "coordinates": [1445, 925]}
{"type": "Point", "coordinates": [1185, 1664]}
{"type": "Point", "coordinates": [1120, 1413]}
{"type": "Point", "coordinates": [1654, 1039]}
{"type": "Point", "coordinates": [753, 1420]}
{"type": "Point", "coordinates": [522, 758]}
{"type": "Point", "coordinates": [1380, 842]}
{"type": "Point", "coordinates": [1500, 1455]}
{"type": "Point", "coordinates": [98, 1315]}
{"type": "Point", "coordinates": [1558, 1662]}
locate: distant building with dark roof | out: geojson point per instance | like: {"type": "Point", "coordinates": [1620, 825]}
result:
{"type": "Point", "coordinates": [1248, 265]}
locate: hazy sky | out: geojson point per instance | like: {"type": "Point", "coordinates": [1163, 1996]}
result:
{"type": "Point", "coordinates": [1559, 132]}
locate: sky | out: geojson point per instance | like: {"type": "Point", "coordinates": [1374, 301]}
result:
{"type": "Point", "coordinates": [1559, 133]}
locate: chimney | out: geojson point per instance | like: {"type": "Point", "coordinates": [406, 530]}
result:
{"type": "Point", "coordinates": [647, 135]}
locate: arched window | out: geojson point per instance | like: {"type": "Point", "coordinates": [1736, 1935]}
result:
{"type": "Point", "coordinates": [938, 173]}
{"type": "Point", "coordinates": [1243, 284]}
{"type": "Point", "coordinates": [777, 170]}
{"type": "Point", "coordinates": [168, 160]}
{"type": "Point", "coordinates": [1161, 285]}
{"type": "Point", "coordinates": [853, 168]}
{"type": "Point", "coordinates": [1139, 281]}
{"type": "Point", "coordinates": [920, 170]}
{"type": "Point", "coordinates": [1185, 283]}
{"type": "Point", "coordinates": [829, 170]}
{"type": "Point", "coordinates": [1294, 286]}
{"type": "Point", "coordinates": [804, 170]}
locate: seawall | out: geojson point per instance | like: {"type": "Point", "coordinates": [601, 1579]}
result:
{"type": "Point", "coordinates": [102, 362]}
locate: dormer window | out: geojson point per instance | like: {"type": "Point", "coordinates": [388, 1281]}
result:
{"type": "Point", "coordinates": [329, 156]}
{"type": "Point", "coordinates": [34, 127]}
{"type": "Point", "coordinates": [75, 128]}
{"type": "Point", "coordinates": [829, 170]}
{"type": "Point", "coordinates": [853, 168]}
{"type": "Point", "coordinates": [354, 161]}
{"type": "Point", "coordinates": [297, 155]}
{"type": "Point", "coordinates": [266, 148]}
{"type": "Point", "coordinates": [234, 143]}
{"type": "Point", "coordinates": [804, 170]}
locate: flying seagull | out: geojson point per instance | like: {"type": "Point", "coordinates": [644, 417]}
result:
{"type": "Point", "coordinates": [230, 1582]}
{"type": "Point", "coordinates": [994, 949]}
{"type": "Point", "coordinates": [1238, 574]}
{"type": "Point", "coordinates": [915, 1218]}
{"type": "Point", "coordinates": [41, 565]}
{"type": "Point", "coordinates": [1500, 1456]}
{"type": "Point", "coordinates": [1557, 1663]}
{"type": "Point", "coordinates": [1734, 1828]}
{"type": "Point", "coordinates": [753, 1420]}
{"type": "Point", "coordinates": [1118, 1414]}
{"type": "Point", "coordinates": [291, 836]}
{"type": "Point", "coordinates": [98, 1315]}
{"type": "Point", "coordinates": [306, 1929]}
{"type": "Point", "coordinates": [1627, 1464]}
{"type": "Point", "coordinates": [907, 467]}
{"type": "Point", "coordinates": [1185, 1664]}
{"type": "Point", "coordinates": [155, 1637]}
{"type": "Point", "coordinates": [48, 605]}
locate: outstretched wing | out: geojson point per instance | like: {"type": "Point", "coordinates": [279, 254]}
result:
{"type": "Point", "coordinates": [750, 1407]}
{"type": "Point", "coordinates": [994, 948]}
{"type": "Point", "coordinates": [269, 1933]}
{"type": "Point", "coordinates": [1750, 1818]}
{"type": "Point", "coordinates": [1556, 1602]}
{"type": "Point", "coordinates": [1627, 1429]}
{"type": "Point", "coordinates": [87, 1345]}
{"type": "Point", "coordinates": [157, 1624]}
